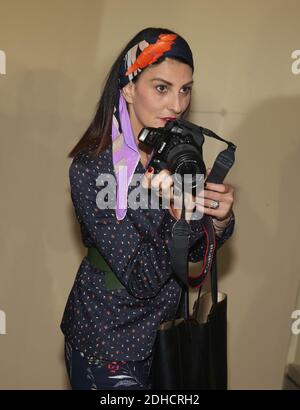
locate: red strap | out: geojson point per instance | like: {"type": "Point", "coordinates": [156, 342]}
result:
{"type": "Point", "coordinates": [210, 237]}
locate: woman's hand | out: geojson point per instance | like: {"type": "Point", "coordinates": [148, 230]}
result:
{"type": "Point", "coordinates": [221, 195]}
{"type": "Point", "coordinates": [162, 185]}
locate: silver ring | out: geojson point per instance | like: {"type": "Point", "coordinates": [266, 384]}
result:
{"type": "Point", "coordinates": [214, 204]}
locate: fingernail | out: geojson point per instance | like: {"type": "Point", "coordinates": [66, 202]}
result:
{"type": "Point", "coordinates": [150, 169]}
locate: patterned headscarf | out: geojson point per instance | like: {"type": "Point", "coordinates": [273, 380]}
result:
{"type": "Point", "coordinates": [125, 151]}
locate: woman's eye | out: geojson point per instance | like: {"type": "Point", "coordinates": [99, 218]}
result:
{"type": "Point", "coordinates": [187, 90]}
{"type": "Point", "coordinates": [161, 88]}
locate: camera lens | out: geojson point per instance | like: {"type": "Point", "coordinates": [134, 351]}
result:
{"type": "Point", "coordinates": [187, 165]}
{"type": "Point", "coordinates": [191, 172]}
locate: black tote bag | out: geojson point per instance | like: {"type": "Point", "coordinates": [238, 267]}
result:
{"type": "Point", "coordinates": [191, 352]}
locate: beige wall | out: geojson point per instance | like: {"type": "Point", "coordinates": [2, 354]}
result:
{"type": "Point", "coordinates": [57, 53]}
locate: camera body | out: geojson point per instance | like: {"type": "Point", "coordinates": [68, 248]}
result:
{"type": "Point", "coordinates": [177, 147]}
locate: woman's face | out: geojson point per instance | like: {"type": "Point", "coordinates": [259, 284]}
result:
{"type": "Point", "coordinates": [161, 91]}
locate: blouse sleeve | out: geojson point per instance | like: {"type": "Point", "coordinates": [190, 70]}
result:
{"type": "Point", "coordinates": [136, 253]}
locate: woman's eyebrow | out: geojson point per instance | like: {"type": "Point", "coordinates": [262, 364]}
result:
{"type": "Point", "coordinates": [167, 82]}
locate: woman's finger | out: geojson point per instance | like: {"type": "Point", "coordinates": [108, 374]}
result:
{"type": "Point", "coordinates": [157, 180]}
{"type": "Point", "coordinates": [220, 213]}
{"type": "Point", "coordinates": [146, 180]}
{"type": "Point", "coordinates": [216, 196]}
{"type": "Point", "coordinates": [223, 188]}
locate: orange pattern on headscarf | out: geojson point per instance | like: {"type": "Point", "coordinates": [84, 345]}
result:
{"type": "Point", "coordinates": [152, 53]}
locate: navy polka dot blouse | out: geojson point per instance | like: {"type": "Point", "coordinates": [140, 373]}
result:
{"type": "Point", "coordinates": [121, 324]}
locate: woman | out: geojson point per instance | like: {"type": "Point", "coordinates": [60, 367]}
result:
{"type": "Point", "coordinates": [124, 287]}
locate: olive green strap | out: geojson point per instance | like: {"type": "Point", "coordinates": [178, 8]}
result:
{"type": "Point", "coordinates": [97, 260]}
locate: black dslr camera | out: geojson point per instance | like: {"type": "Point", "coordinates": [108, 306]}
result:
{"type": "Point", "coordinates": [178, 147]}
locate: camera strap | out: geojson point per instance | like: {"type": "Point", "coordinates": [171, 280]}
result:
{"type": "Point", "coordinates": [179, 258]}
{"type": "Point", "coordinates": [224, 160]}
{"type": "Point", "coordinates": [179, 248]}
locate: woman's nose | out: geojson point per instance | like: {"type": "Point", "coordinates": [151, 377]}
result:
{"type": "Point", "coordinates": [176, 104]}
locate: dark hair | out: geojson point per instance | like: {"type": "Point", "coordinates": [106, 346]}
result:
{"type": "Point", "coordinates": [98, 135]}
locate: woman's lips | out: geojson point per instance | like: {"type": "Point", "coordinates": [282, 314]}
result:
{"type": "Point", "coordinates": [165, 119]}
